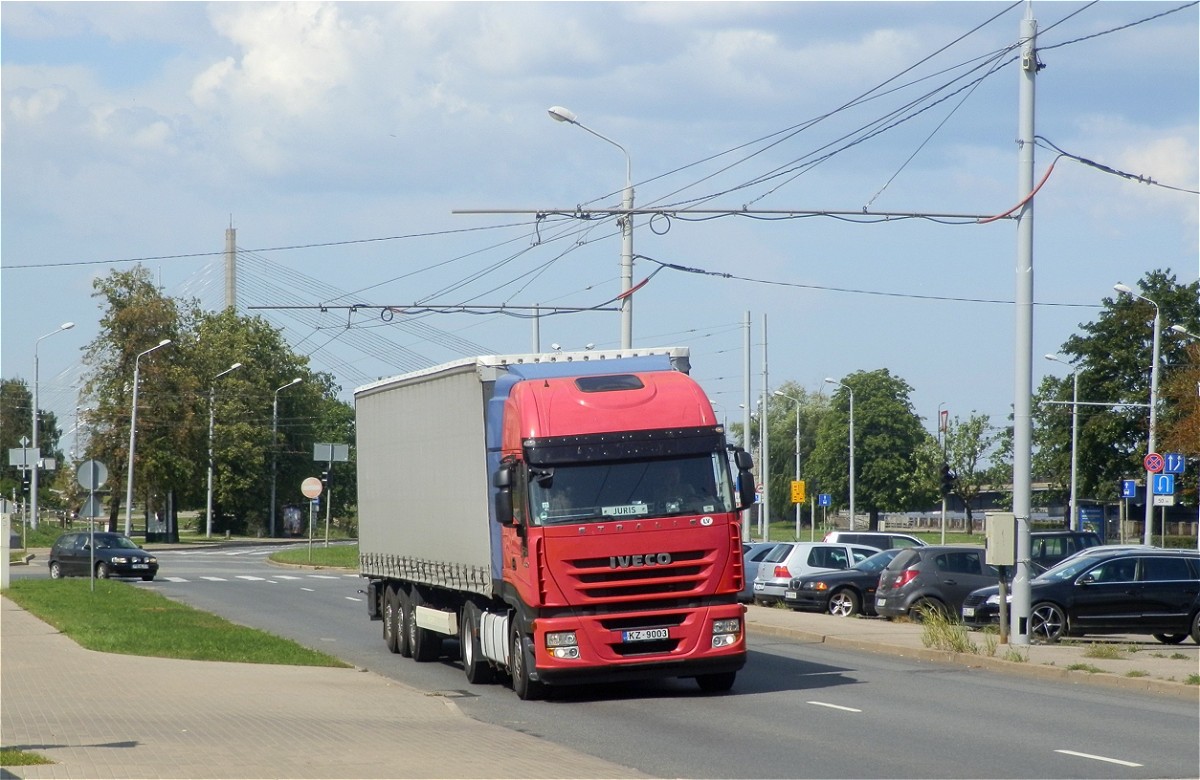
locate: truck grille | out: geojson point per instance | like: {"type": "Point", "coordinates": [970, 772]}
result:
{"type": "Point", "coordinates": [599, 581]}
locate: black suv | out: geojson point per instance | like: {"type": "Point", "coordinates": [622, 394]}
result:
{"type": "Point", "coordinates": [115, 555]}
{"type": "Point", "coordinates": [933, 578]}
{"type": "Point", "coordinates": [1047, 548]}
{"type": "Point", "coordinates": [1123, 591]}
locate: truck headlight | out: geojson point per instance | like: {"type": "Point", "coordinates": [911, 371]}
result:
{"type": "Point", "coordinates": [725, 632]}
{"type": "Point", "coordinates": [562, 644]}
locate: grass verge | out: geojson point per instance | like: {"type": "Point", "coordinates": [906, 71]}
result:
{"type": "Point", "coordinates": [122, 618]}
{"type": "Point", "coordinates": [14, 757]}
{"type": "Point", "coordinates": [342, 556]}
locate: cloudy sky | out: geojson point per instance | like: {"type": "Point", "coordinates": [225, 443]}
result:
{"type": "Point", "coordinates": [340, 140]}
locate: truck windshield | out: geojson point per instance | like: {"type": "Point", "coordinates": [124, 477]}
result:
{"type": "Point", "coordinates": [593, 492]}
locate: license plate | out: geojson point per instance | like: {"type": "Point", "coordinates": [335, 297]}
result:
{"type": "Point", "coordinates": [789, 594]}
{"type": "Point", "coordinates": [968, 611]}
{"type": "Point", "coordinates": [645, 635]}
{"type": "Point", "coordinates": [880, 602]}
{"type": "Point", "coordinates": [759, 586]}
{"type": "Point", "coordinates": [140, 566]}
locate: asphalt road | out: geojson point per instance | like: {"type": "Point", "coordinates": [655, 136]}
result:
{"type": "Point", "coordinates": [797, 710]}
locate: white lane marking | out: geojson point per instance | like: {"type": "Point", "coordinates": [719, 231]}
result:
{"type": "Point", "coordinates": [250, 577]}
{"type": "Point", "coordinates": [215, 579]}
{"type": "Point", "coordinates": [833, 706]}
{"type": "Point", "coordinates": [310, 590]}
{"type": "Point", "coordinates": [322, 577]}
{"type": "Point", "coordinates": [1097, 758]}
{"type": "Point", "coordinates": [173, 579]}
{"type": "Point", "coordinates": [353, 598]}
{"type": "Point", "coordinates": [286, 577]}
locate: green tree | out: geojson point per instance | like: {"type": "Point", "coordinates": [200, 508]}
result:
{"type": "Point", "coordinates": [1113, 357]}
{"type": "Point", "coordinates": [179, 389]}
{"type": "Point", "coordinates": [887, 433]}
{"type": "Point", "coordinates": [969, 445]}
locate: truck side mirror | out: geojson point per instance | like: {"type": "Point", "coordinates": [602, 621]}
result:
{"type": "Point", "coordinates": [743, 460]}
{"type": "Point", "coordinates": [745, 489]}
{"type": "Point", "coordinates": [502, 481]}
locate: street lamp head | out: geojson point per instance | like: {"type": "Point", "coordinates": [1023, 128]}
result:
{"type": "Point", "coordinates": [163, 343]}
{"type": "Point", "coordinates": [832, 381]}
{"type": "Point", "coordinates": [560, 114]}
{"type": "Point", "coordinates": [1119, 287]}
{"type": "Point", "coordinates": [66, 326]}
{"type": "Point", "coordinates": [235, 366]}
{"type": "Point", "coordinates": [295, 381]}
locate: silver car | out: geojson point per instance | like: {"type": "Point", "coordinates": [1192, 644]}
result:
{"type": "Point", "coordinates": [799, 559]}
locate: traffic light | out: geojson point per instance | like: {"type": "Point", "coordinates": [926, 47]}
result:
{"type": "Point", "coordinates": [948, 478]}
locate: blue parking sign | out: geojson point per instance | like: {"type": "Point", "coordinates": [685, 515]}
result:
{"type": "Point", "coordinates": [1128, 488]}
{"type": "Point", "coordinates": [1174, 463]}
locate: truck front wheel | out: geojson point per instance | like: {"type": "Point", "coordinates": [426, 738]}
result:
{"type": "Point", "coordinates": [526, 689]}
{"type": "Point", "coordinates": [479, 671]}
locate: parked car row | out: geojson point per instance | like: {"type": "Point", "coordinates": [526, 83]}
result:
{"type": "Point", "coordinates": [1126, 589]}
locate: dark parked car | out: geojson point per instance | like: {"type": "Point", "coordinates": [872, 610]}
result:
{"type": "Point", "coordinates": [1122, 591]}
{"type": "Point", "coordinates": [936, 577]}
{"type": "Point", "coordinates": [1047, 548]}
{"type": "Point", "coordinates": [840, 593]}
{"type": "Point", "coordinates": [116, 555]}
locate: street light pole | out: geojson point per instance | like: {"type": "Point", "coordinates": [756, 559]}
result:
{"type": "Point", "coordinates": [796, 401]}
{"type": "Point", "coordinates": [212, 416]}
{"type": "Point", "coordinates": [1075, 524]}
{"type": "Point", "coordinates": [33, 478]}
{"type": "Point", "coordinates": [133, 436]}
{"type": "Point", "coordinates": [849, 390]}
{"type": "Point", "coordinates": [560, 114]}
{"type": "Point", "coordinates": [1148, 532]}
{"type": "Point", "coordinates": [275, 446]}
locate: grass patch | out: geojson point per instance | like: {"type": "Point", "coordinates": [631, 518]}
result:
{"type": "Point", "coordinates": [14, 757]}
{"type": "Point", "coordinates": [1015, 655]}
{"type": "Point", "coordinates": [122, 618]}
{"type": "Point", "coordinates": [1110, 652]}
{"type": "Point", "coordinates": [1192, 679]}
{"type": "Point", "coordinates": [1084, 668]}
{"type": "Point", "coordinates": [342, 556]}
{"type": "Point", "coordinates": [1137, 673]}
{"type": "Point", "coordinates": [1178, 656]}
{"type": "Point", "coordinates": [943, 633]}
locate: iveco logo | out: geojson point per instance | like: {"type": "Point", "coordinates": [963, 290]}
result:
{"type": "Point", "coordinates": [632, 561]}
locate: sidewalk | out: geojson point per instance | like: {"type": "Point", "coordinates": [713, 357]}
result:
{"type": "Point", "coordinates": [99, 715]}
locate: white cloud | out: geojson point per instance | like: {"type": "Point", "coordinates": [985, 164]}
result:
{"type": "Point", "coordinates": [38, 105]}
{"type": "Point", "coordinates": [292, 56]}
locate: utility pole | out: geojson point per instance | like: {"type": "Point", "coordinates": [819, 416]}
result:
{"type": "Point", "coordinates": [766, 442]}
{"type": "Point", "coordinates": [748, 512]}
{"type": "Point", "coordinates": [1023, 367]}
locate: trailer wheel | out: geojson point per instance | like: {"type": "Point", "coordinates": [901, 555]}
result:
{"type": "Point", "coordinates": [520, 665]}
{"type": "Point", "coordinates": [478, 670]}
{"type": "Point", "coordinates": [425, 645]}
{"type": "Point", "coordinates": [404, 622]}
{"type": "Point", "coordinates": [391, 620]}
